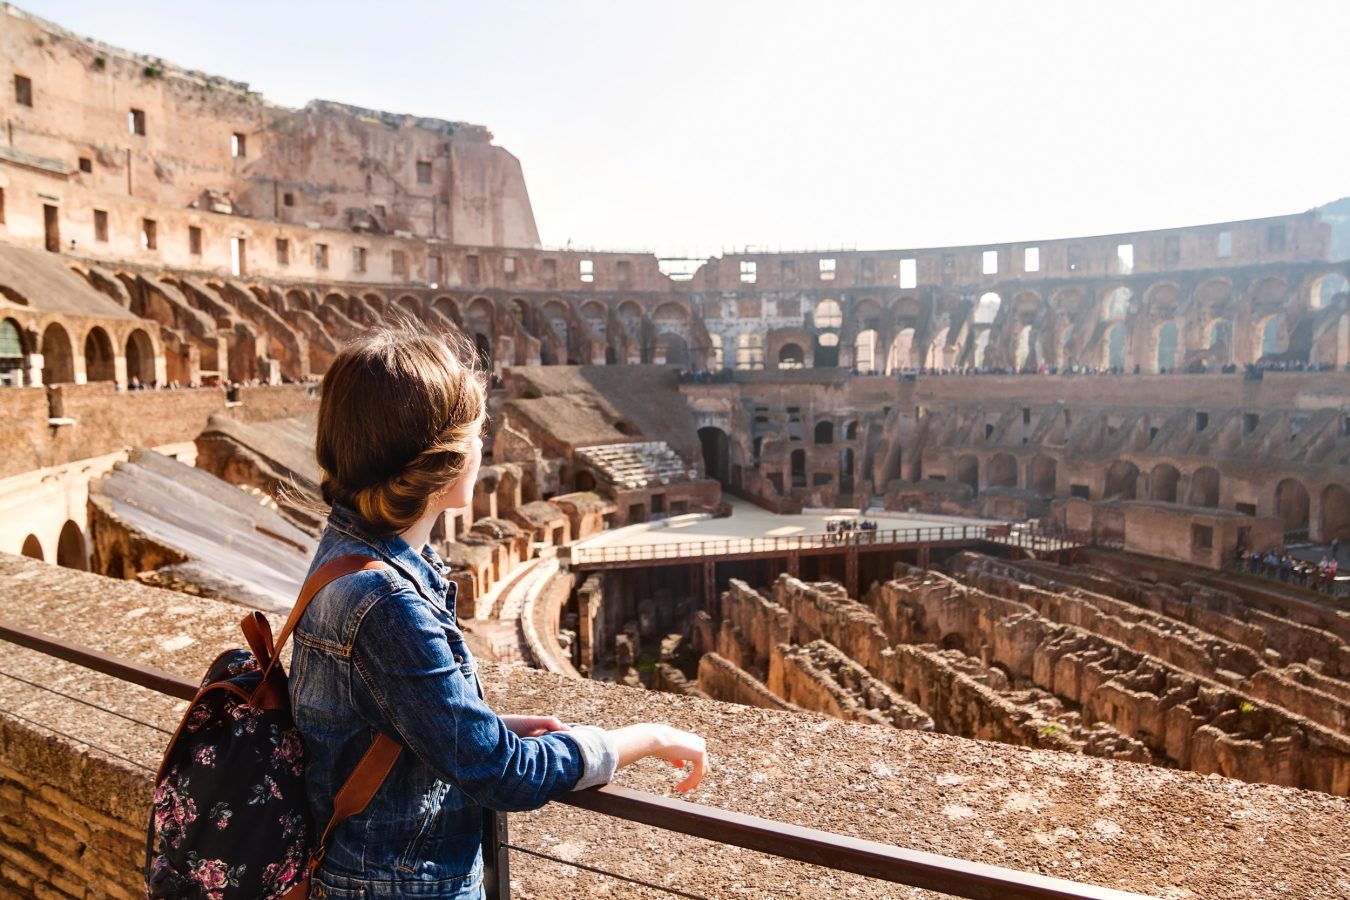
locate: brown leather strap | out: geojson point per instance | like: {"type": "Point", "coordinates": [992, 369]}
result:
{"type": "Point", "coordinates": [322, 577]}
{"type": "Point", "coordinates": [359, 789]}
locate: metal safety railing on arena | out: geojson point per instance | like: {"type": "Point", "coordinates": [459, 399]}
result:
{"type": "Point", "coordinates": [946, 875]}
{"type": "Point", "coordinates": [817, 541]}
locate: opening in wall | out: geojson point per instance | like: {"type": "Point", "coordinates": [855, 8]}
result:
{"type": "Point", "coordinates": [587, 270]}
{"type": "Point", "coordinates": [23, 90]}
{"type": "Point", "coordinates": [909, 273]}
{"type": "Point", "coordinates": [321, 256]}
{"type": "Point", "coordinates": [194, 240]}
{"type": "Point", "coordinates": [749, 272]}
{"type": "Point", "coordinates": [1125, 258]}
{"type": "Point", "coordinates": [359, 259]}
{"type": "Point", "coordinates": [1202, 537]}
{"type": "Point", "coordinates": [149, 238]}
{"type": "Point", "coordinates": [136, 122]}
{"type": "Point", "coordinates": [238, 261]}
{"type": "Point", "coordinates": [1031, 259]}
{"type": "Point", "coordinates": [1225, 248]}
{"type": "Point", "coordinates": [101, 226]}
{"type": "Point", "coordinates": [288, 199]}
{"type": "Point", "coordinates": [827, 270]}
{"type": "Point", "coordinates": [989, 264]}
{"type": "Point", "coordinates": [237, 145]}
{"type": "Point", "coordinates": [1080, 491]}
{"type": "Point", "coordinates": [283, 252]}
{"type": "Point", "coordinates": [86, 165]}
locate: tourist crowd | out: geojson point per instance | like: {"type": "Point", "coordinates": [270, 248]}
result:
{"type": "Point", "coordinates": [1283, 566]}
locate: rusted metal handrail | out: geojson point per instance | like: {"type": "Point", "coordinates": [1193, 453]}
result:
{"type": "Point", "coordinates": [955, 877]}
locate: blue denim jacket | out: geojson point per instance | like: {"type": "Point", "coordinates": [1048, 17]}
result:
{"type": "Point", "coordinates": [380, 650]}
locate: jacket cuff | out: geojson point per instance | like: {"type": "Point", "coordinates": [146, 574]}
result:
{"type": "Point", "coordinates": [599, 755]}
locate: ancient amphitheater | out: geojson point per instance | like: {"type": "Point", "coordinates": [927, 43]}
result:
{"type": "Point", "coordinates": [947, 549]}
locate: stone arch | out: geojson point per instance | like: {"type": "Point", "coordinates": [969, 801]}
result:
{"type": "Point", "coordinates": [1116, 305]}
{"type": "Point", "coordinates": [1334, 521]}
{"type": "Point", "coordinates": [410, 305]}
{"type": "Point", "coordinates": [1022, 350]}
{"type": "Point", "coordinates": [797, 462]}
{"type": "Point", "coordinates": [846, 458]}
{"type": "Point", "coordinates": [13, 354]}
{"type": "Point", "coordinates": [58, 356]}
{"type": "Point", "coordinates": [1122, 480]}
{"type": "Point", "coordinates": [1166, 342]}
{"type": "Point", "coordinates": [981, 347]}
{"type": "Point", "coordinates": [1162, 483]}
{"type": "Point", "coordinates": [32, 548]}
{"type": "Point", "coordinates": [1292, 504]}
{"type": "Point", "coordinates": [1041, 474]}
{"type": "Point", "coordinates": [937, 355]}
{"type": "Point", "coordinates": [1113, 347]}
{"type": "Point", "coordinates": [968, 471]}
{"type": "Point", "coordinates": [447, 307]}
{"type": "Point", "coordinates": [597, 317]}
{"type": "Point", "coordinates": [850, 430]}
{"type": "Point", "coordinates": [1267, 336]}
{"type": "Point", "coordinates": [791, 356]}
{"type": "Point", "coordinates": [676, 349]}
{"type": "Point", "coordinates": [483, 346]}
{"type": "Point", "coordinates": [1323, 289]}
{"type": "Point", "coordinates": [986, 311]}
{"type": "Point", "coordinates": [70, 548]}
{"type": "Point", "coordinates": [1204, 488]}
{"type": "Point", "coordinates": [631, 315]}
{"type": "Point", "coordinates": [140, 357]}
{"type": "Point", "coordinates": [98, 356]}
{"type": "Point", "coordinates": [824, 433]}
{"type": "Point", "coordinates": [865, 351]}
{"type": "Point", "coordinates": [901, 357]}
{"type": "Point", "coordinates": [1219, 339]}
{"type": "Point", "coordinates": [828, 314]}
{"type": "Point", "coordinates": [716, 453]}
{"type": "Point", "coordinates": [1003, 470]}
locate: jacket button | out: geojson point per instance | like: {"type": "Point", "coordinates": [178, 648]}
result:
{"type": "Point", "coordinates": [458, 658]}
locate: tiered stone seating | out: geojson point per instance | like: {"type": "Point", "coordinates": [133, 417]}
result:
{"type": "Point", "coordinates": [637, 465]}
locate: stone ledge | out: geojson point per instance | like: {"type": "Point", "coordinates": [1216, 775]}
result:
{"type": "Point", "coordinates": [1152, 830]}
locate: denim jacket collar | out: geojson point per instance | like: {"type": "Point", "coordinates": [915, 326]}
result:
{"type": "Point", "coordinates": [426, 570]}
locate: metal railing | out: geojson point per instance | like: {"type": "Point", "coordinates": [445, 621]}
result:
{"type": "Point", "coordinates": [955, 877]}
{"type": "Point", "coordinates": [749, 546]}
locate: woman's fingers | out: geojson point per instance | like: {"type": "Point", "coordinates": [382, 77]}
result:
{"type": "Point", "coordinates": [691, 781]}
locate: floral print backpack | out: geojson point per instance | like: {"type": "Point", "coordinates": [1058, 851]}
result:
{"type": "Point", "coordinates": [229, 817]}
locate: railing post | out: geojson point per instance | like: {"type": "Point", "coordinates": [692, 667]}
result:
{"type": "Point", "coordinates": [496, 857]}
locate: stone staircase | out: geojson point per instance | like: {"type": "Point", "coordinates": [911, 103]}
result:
{"type": "Point", "coordinates": [637, 465]}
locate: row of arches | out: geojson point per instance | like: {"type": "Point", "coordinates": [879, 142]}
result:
{"type": "Point", "coordinates": [100, 355]}
{"type": "Point", "coordinates": [1292, 501]}
{"type": "Point", "coordinates": [71, 551]}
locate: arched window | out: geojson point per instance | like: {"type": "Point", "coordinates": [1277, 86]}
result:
{"type": "Point", "coordinates": [987, 309]}
{"type": "Point", "coordinates": [829, 314]}
{"type": "Point", "coordinates": [790, 356]}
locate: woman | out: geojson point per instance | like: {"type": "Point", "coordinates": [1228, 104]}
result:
{"type": "Point", "coordinates": [400, 442]}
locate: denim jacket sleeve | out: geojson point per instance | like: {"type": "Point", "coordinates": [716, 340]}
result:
{"type": "Point", "coordinates": [420, 677]}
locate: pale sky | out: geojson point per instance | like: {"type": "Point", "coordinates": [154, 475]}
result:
{"type": "Point", "coordinates": [688, 127]}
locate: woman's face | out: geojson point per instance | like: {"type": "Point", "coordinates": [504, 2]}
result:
{"type": "Point", "coordinates": [460, 492]}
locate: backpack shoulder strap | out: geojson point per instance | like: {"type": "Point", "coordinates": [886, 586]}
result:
{"type": "Point", "coordinates": [322, 577]}
{"type": "Point", "coordinates": [359, 789]}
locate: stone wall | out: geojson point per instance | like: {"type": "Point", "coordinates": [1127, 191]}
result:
{"type": "Point", "coordinates": [722, 680]}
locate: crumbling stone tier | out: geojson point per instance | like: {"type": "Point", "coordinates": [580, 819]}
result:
{"type": "Point", "coordinates": [1033, 654]}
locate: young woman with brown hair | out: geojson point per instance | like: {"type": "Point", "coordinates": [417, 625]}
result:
{"type": "Point", "coordinates": [400, 442]}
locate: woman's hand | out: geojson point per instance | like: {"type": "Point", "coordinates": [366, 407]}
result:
{"type": "Point", "coordinates": [532, 726]}
{"type": "Point", "coordinates": [677, 747]}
